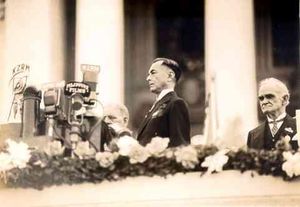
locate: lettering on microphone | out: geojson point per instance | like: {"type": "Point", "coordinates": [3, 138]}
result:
{"type": "Point", "coordinates": [90, 68]}
{"type": "Point", "coordinates": [74, 87]}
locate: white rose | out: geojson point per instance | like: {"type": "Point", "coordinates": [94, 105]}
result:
{"type": "Point", "coordinates": [54, 148]}
{"type": "Point", "coordinates": [215, 162]}
{"type": "Point", "coordinates": [84, 151]}
{"type": "Point", "coordinates": [106, 159]}
{"type": "Point", "coordinates": [125, 143]}
{"type": "Point", "coordinates": [19, 152]}
{"type": "Point", "coordinates": [292, 164]}
{"type": "Point", "coordinates": [138, 154]}
{"type": "Point", "coordinates": [157, 146]}
{"type": "Point", "coordinates": [187, 156]}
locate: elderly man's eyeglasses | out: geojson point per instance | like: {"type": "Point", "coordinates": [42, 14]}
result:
{"type": "Point", "coordinates": [267, 96]}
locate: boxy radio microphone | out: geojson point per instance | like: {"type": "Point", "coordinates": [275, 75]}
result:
{"type": "Point", "coordinates": [54, 105]}
{"type": "Point", "coordinates": [76, 92]}
{"type": "Point", "coordinates": [90, 77]}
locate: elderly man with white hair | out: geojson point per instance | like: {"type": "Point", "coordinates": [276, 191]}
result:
{"type": "Point", "coordinates": [273, 98]}
{"type": "Point", "coordinates": [116, 115]}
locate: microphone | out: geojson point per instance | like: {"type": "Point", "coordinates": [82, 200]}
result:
{"type": "Point", "coordinates": [76, 91]}
{"type": "Point", "coordinates": [53, 102]}
{"type": "Point", "coordinates": [94, 108]}
{"type": "Point", "coordinates": [30, 111]}
{"type": "Point", "coordinates": [90, 77]}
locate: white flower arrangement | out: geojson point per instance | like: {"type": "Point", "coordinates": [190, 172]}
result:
{"type": "Point", "coordinates": [106, 159]}
{"type": "Point", "coordinates": [125, 143]}
{"type": "Point", "coordinates": [18, 152]}
{"type": "Point", "coordinates": [292, 164]}
{"type": "Point", "coordinates": [84, 151]}
{"type": "Point", "coordinates": [17, 156]}
{"type": "Point", "coordinates": [132, 159]}
{"type": "Point", "coordinates": [54, 148]}
{"type": "Point", "coordinates": [128, 146]}
{"type": "Point", "coordinates": [215, 163]}
{"type": "Point", "coordinates": [138, 154]}
{"type": "Point", "coordinates": [187, 156]}
{"type": "Point", "coordinates": [157, 146]}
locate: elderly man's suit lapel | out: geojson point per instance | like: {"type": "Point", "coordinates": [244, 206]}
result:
{"type": "Point", "coordinates": [258, 136]}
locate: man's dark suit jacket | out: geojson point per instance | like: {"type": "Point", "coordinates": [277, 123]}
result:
{"type": "Point", "coordinates": [261, 137]}
{"type": "Point", "coordinates": [169, 118]}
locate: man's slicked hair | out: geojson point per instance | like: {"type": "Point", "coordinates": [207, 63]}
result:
{"type": "Point", "coordinates": [172, 64]}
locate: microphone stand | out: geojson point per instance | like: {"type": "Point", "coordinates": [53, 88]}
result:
{"type": "Point", "coordinates": [50, 125]}
{"type": "Point", "coordinates": [75, 121]}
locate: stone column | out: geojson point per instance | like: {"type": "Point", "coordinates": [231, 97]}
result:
{"type": "Point", "coordinates": [99, 41]}
{"type": "Point", "coordinates": [34, 35]}
{"type": "Point", "coordinates": [2, 77]}
{"type": "Point", "coordinates": [230, 68]}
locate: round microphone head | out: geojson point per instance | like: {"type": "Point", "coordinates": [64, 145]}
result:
{"type": "Point", "coordinates": [77, 102]}
{"type": "Point", "coordinates": [76, 106]}
{"type": "Point", "coordinates": [32, 91]}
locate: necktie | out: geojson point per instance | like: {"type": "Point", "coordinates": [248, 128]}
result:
{"type": "Point", "coordinates": [275, 126]}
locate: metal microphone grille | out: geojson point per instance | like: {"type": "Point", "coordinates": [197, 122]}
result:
{"type": "Point", "coordinates": [32, 91]}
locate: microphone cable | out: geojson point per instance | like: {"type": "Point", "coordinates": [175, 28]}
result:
{"type": "Point", "coordinates": [89, 135]}
{"type": "Point", "coordinates": [11, 106]}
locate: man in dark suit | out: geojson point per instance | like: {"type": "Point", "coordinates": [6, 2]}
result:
{"type": "Point", "coordinates": [273, 97]}
{"type": "Point", "coordinates": [169, 116]}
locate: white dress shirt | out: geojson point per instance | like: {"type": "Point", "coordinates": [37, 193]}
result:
{"type": "Point", "coordinates": [161, 95]}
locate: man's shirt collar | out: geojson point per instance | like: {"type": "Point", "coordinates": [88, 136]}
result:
{"type": "Point", "coordinates": [163, 93]}
{"type": "Point", "coordinates": [281, 116]}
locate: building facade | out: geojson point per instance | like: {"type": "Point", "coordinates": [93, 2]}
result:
{"type": "Point", "coordinates": [224, 47]}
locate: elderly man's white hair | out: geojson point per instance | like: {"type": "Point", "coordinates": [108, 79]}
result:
{"type": "Point", "coordinates": [282, 88]}
{"type": "Point", "coordinates": [118, 106]}
{"type": "Point", "coordinates": [275, 82]}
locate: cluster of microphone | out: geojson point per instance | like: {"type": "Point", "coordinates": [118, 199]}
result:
{"type": "Point", "coordinates": [60, 110]}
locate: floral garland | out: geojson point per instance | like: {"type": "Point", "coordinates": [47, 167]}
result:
{"type": "Point", "coordinates": [21, 166]}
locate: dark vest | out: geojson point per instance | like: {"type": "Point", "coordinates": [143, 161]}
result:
{"type": "Point", "coordinates": [269, 140]}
